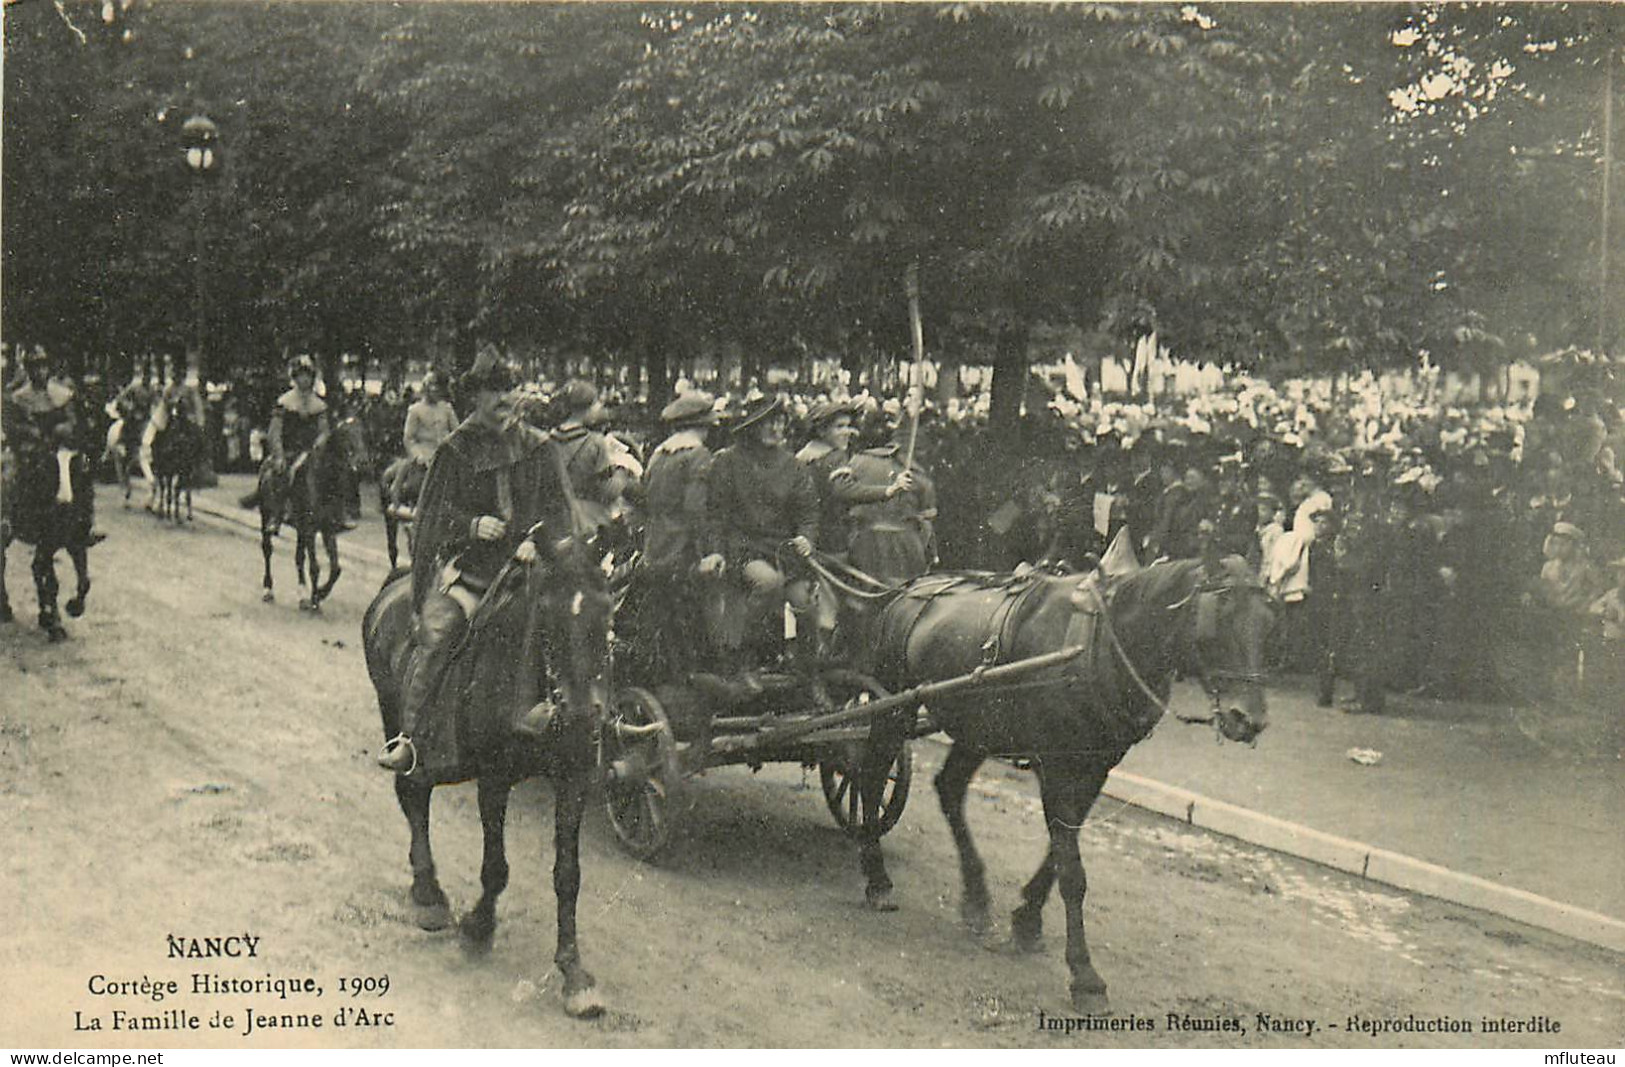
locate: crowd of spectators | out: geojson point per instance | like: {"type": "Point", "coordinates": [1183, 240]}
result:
{"type": "Point", "coordinates": [1412, 542]}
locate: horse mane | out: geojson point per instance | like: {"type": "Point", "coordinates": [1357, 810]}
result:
{"type": "Point", "coordinates": [1162, 585]}
{"type": "Point", "coordinates": [1154, 587]}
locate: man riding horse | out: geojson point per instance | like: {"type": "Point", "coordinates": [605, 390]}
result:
{"type": "Point", "coordinates": [54, 490]}
{"type": "Point", "coordinates": [489, 486]}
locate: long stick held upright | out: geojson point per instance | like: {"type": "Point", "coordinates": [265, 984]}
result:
{"type": "Point", "coordinates": [911, 280]}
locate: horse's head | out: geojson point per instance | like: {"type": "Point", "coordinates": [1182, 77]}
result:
{"type": "Point", "coordinates": [1233, 617]}
{"type": "Point", "coordinates": [576, 607]}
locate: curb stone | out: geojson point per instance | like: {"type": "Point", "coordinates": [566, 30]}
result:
{"type": "Point", "coordinates": [1364, 861]}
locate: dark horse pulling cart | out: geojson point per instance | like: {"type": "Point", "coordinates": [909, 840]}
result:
{"type": "Point", "coordinates": [1066, 672]}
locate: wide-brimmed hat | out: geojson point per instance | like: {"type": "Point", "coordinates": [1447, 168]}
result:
{"type": "Point", "coordinates": [692, 408]}
{"type": "Point", "coordinates": [757, 410]}
{"type": "Point", "coordinates": [826, 412]}
{"type": "Point", "coordinates": [1567, 529]}
{"type": "Point", "coordinates": [487, 374]}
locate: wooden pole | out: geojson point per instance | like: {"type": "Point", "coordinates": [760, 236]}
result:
{"type": "Point", "coordinates": [911, 279]}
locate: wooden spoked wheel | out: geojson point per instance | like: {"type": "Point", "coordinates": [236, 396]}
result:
{"type": "Point", "coordinates": [642, 775]}
{"type": "Point", "coordinates": [841, 792]}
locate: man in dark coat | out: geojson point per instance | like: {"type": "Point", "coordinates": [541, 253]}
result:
{"type": "Point", "coordinates": [489, 484]}
{"type": "Point", "coordinates": [760, 503]}
{"type": "Point", "coordinates": [1184, 505]}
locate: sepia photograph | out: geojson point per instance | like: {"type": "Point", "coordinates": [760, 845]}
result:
{"type": "Point", "coordinates": [597, 525]}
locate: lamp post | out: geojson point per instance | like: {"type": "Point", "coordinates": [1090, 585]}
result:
{"type": "Point", "coordinates": [200, 139]}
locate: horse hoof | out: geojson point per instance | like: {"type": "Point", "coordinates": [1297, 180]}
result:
{"type": "Point", "coordinates": [268, 597]}
{"type": "Point", "coordinates": [1090, 1002]}
{"type": "Point", "coordinates": [55, 634]}
{"type": "Point", "coordinates": [881, 900]}
{"type": "Point", "coordinates": [432, 917]}
{"type": "Point", "coordinates": [585, 1004]}
{"type": "Point", "coordinates": [75, 608]}
{"type": "Point", "coordinates": [305, 604]}
{"type": "Point", "coordinates": [977, 921]}
{"type": "Point", "coordinates": [477, 933]}
{"type": "Point", "coordinates": [1017, 946]}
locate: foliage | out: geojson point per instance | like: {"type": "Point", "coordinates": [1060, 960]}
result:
{"type": "Point", "coordinates": [1326, 186]}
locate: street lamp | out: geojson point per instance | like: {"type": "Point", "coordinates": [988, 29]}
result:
{"type": "Point", "coordinates": [200, 140]}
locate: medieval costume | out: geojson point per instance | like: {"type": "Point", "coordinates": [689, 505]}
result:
{"type": "Point", "coordinates": [487, 489]}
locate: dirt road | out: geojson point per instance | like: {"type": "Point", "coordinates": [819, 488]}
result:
{"type": "Point", "coordinates": [196, 764]}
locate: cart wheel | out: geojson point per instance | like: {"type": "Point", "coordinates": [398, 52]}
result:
{"type": "Point", "coordinates": [638, 756]}
{"type": "Point", "coordinates": [846, 805]}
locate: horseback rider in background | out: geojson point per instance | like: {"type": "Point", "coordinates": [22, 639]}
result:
{"type": "Point", "coordinates": [429, 421]}
{"type": "Point", "coordinates": [54, 488]}
{"type": "Point", "coordinates": [298, 419]}
{"type": "Point", "coordinates": [489, 485]}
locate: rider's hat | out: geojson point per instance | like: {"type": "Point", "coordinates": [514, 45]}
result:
{"type": "Point", "coordinates": [301, 364]}
{"type": "Point", "coordinates": [36, 355]}
{"type": "Point", "coordinates": [757, 410]}
{"type": "Point", "coordinates": [695, 408]}
{"type": "Point", "coordinates": [487, 374]}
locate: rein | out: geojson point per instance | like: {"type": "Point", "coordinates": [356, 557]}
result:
{"type": "Point", "coordinates": [881, 590]}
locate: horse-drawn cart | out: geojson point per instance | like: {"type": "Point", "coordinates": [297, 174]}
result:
{"type": "Point", "coordinates": [659, 737]}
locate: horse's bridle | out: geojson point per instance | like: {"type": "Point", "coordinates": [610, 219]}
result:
{"type": "Point", "coordinates": [1204, 600]}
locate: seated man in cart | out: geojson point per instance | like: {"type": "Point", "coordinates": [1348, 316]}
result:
{"type": "Point", "coordinates": [762, 517]}
{"type": "Point", "coordinates": [662, 604]}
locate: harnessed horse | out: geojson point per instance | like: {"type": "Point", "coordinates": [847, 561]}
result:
{"type": "Point", "coordinates": [310, 497]}
{"type": "Point", "coordinates": [1074, 722]}
{"type": "Point", "coordinates": [566, 590]}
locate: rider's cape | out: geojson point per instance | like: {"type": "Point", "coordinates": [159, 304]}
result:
{"type": "Point", "coordinates": [511, 475]}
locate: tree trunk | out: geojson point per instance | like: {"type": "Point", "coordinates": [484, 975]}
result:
{"type": "Point", "coordinates": [1009, 386]}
